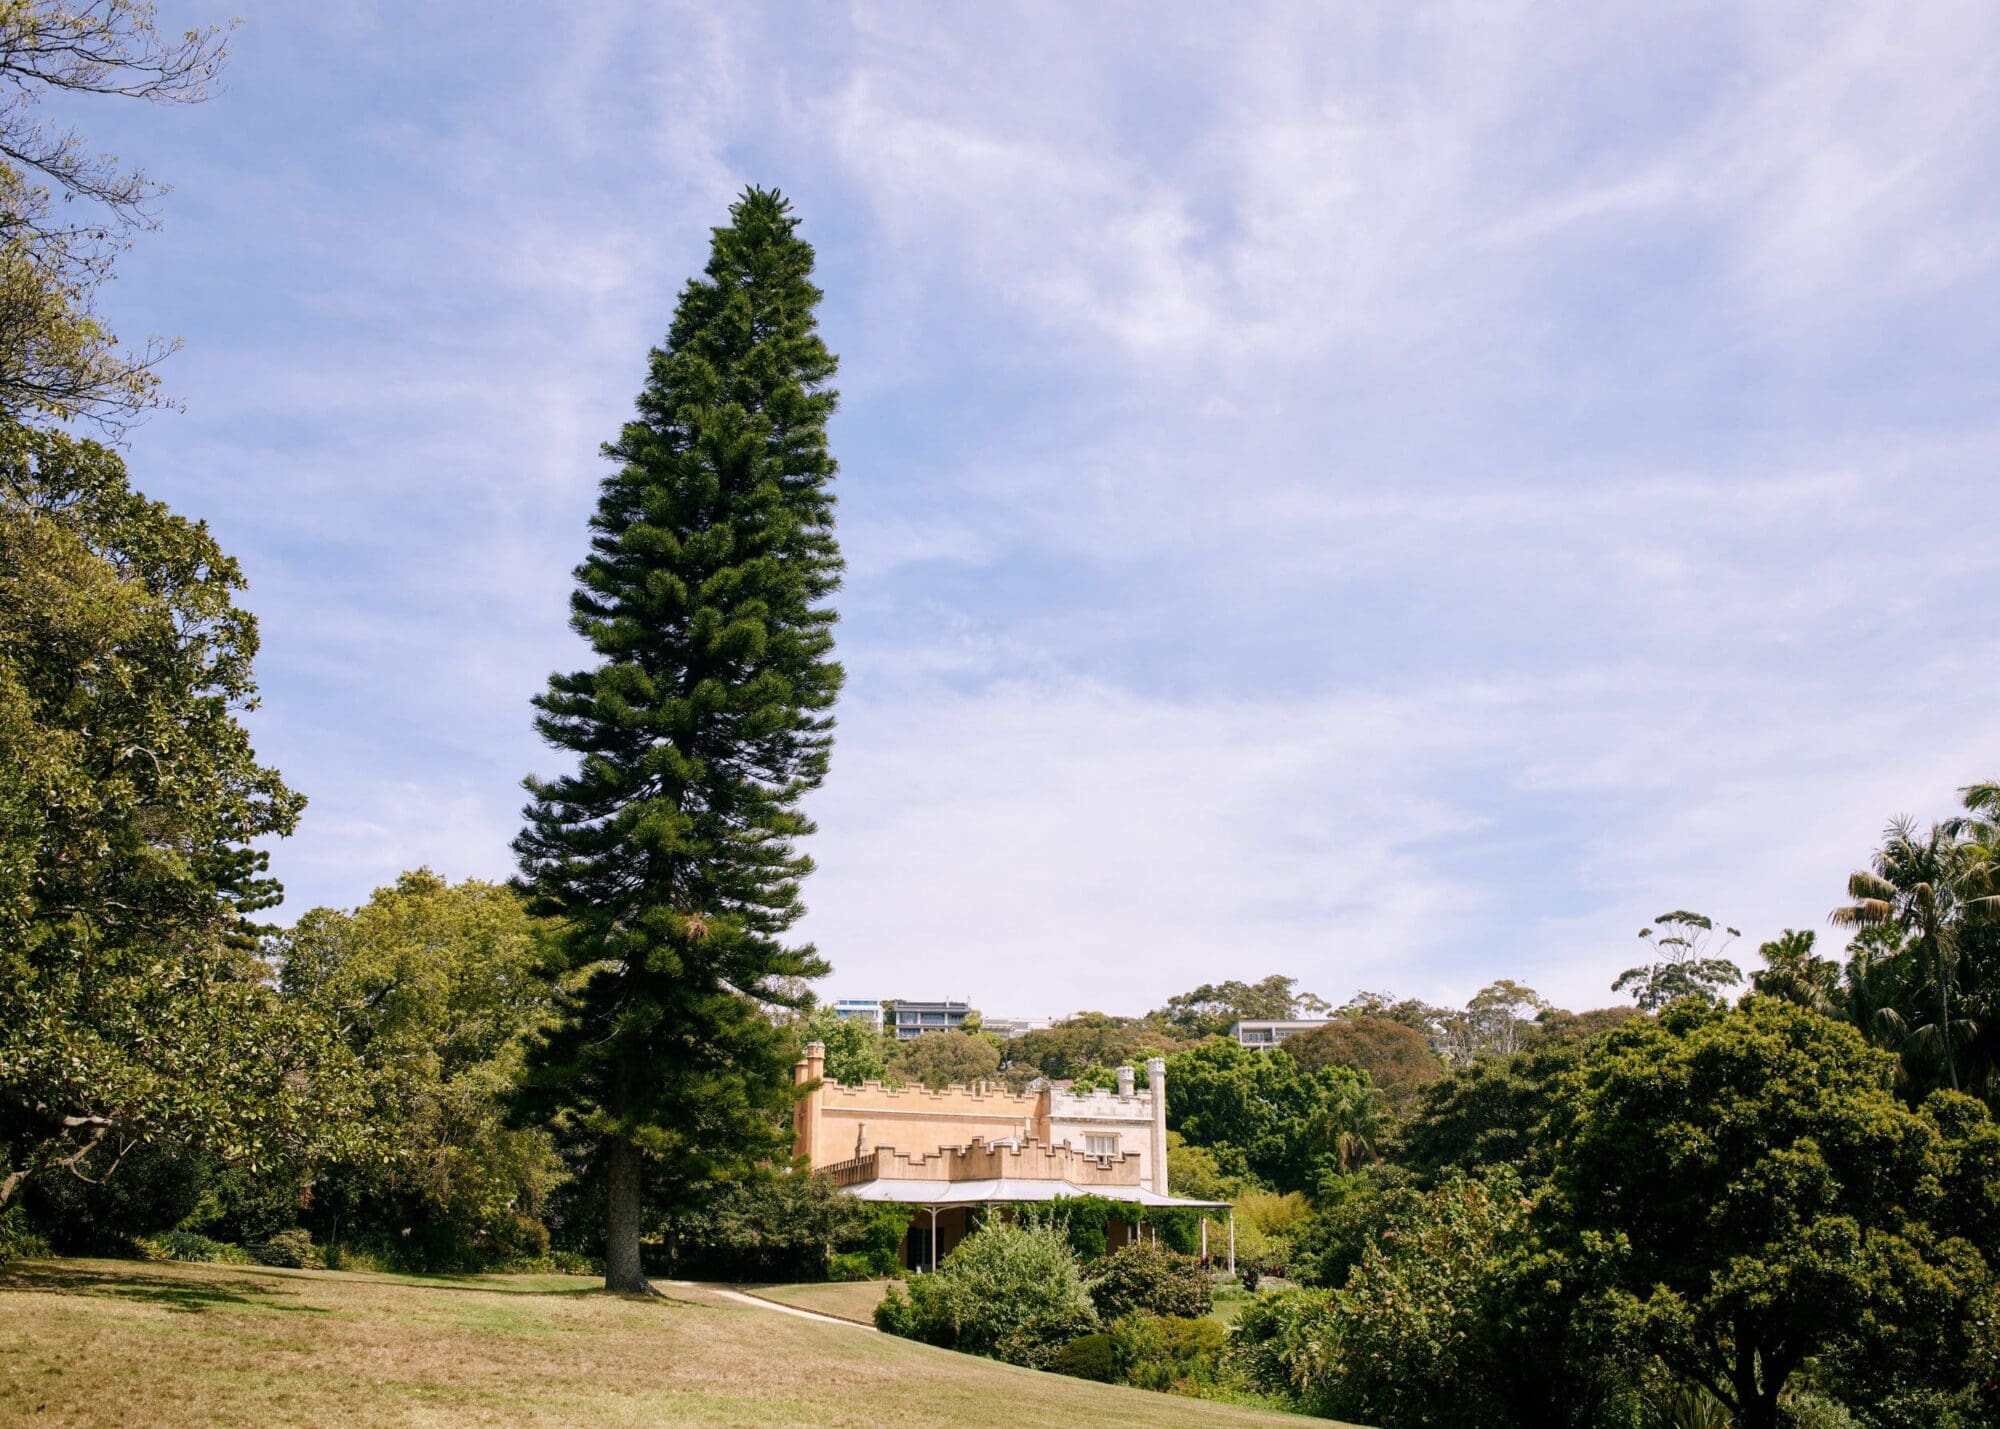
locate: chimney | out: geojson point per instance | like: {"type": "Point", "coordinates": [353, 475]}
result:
{"type": "Point", "coordinates": [1124, 1081]}
{"type": "Point", "coordinates": [1156, 1080]}
{"type": "Point", "coordinates": [806, 1110]}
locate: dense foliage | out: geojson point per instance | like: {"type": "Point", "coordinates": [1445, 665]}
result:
{"type": "Point", "coordinates": [1151, 1279]}
{"type": "Point", "coordinates": [1276, 1120]}
{"type": "Point", "coordinates": [134, 1007]}
{"type": "Point", "coordinates": [1013, 1292]}
{"type": "Point", "coordinates": [778, 1227]}
{"type": "Point", "coordinates": [438, 987]}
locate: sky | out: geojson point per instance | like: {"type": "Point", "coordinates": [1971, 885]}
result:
{"type": "Point", "coordinates": [1397, 495]}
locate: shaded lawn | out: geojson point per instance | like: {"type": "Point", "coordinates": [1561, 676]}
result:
{"type": "Point", "coordinates": [86, 1342]}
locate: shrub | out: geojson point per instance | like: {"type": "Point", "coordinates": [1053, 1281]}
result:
{"type": "Point", "coordinates": [516, 1238]}
{"type": "Point", "coordinates": [1250, 1278]}
{"type": "Point", "coordinates": [186, 1245]}
{"type": "Point", "coordinates": [292, 1250]}
{"type": "Point", "coordinates": [851, 1265]}
{"type": "Point", "coordinates": [1088, 1357]}
{"type": "Point", "coordinates": [1009, 1292]}
{"type": "Point", "coordinates": [1036, 1340]}
{"type": "Point", "coordinates": [1279, 1345]}
{"type": "Point", "coordinates": [156, 1188]}
{"type": "Point", "coordinates": [1809, 1409]}
{"type": "Point", "coordinates": [1152, 1280]}
{"type": "Point", "coordinates": [355, 1258]}
{"type": "Point", "coordinates": [893, 1315]}
{"type": "Point", "coordinates": [1165, 1353]}
{"type": "Point", "coordinates": [881, 1239]}
{"type": "Point", "coordinates": [17, 1241]}
{"type": "Point", "coordinates": [780, 1228]}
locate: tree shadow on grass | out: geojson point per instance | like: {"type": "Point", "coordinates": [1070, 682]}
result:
{"type": "Point", "coordinates": [189, 1295]}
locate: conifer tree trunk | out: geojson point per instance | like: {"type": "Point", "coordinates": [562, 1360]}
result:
{"type": "Point", "coordinates": [622, 1270]}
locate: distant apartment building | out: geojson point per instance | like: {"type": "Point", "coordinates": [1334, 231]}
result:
{"type": "Point", "coordinates": [1014, 1026]}
{"type": "Point", "coordinates": [1269, 1033]}
{"type": "Point", "coordinates": [913, 1019]}
{"type": "Point", "coordinates": [859, 1009]}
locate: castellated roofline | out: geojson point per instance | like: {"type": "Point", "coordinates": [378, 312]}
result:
{"type": "Point", "coordinates": [981, 1160]}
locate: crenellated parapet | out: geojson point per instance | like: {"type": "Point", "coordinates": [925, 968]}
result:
{"type": "Point", "coordinates": [979, 1099]}
{"type": "Point", "coordinates": [981, 1160]}
{"type": "Point", "coordinates": [1102, 1104]}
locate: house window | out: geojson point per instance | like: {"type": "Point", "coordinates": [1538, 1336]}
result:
{"type": "Point", "coordinates": [1096, 1145]}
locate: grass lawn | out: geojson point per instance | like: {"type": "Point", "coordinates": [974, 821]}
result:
{"type": "Point", "coordinates": [852, 1300]}
{"type": "Point", "coordinates": [1229, 1303]}
{"type": "Point", "coordinates": [119, 1342]}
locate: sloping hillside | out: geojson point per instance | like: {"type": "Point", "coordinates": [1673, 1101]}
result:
{"type": "Point", "coordinates": [114, 1342]}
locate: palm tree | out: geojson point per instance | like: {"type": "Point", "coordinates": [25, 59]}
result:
{"type": "Point", "coordinates": [1924, 884]}
{"type": "Point", "coordinates": [1979, 949]}
{"type": "Point", "coordinates": [1795, 973]}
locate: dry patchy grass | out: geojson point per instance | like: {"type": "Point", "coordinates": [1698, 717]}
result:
{"type": "Point", "coordinates": [852, 1300]}
{"type": "Point", "coordinates": [86, 1342]}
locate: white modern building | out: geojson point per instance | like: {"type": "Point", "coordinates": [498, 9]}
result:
{"type": "Point", "coordinates": [1267, 1033]}
{"type": "Point", "coordinates": [859, 1009]}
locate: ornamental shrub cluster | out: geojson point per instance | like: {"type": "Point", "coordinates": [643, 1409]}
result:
{"type": "Point", "coordinates": [1010, 1292]}
{"type": "Point", "coordinates": [1150, 1279]}
{"type": "Point", "coordinates": [1018, 1292]}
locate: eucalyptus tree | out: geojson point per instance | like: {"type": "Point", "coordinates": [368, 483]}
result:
{"type": "Point", "coordinates": [1688, 962]}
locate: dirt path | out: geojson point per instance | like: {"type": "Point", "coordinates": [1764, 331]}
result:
{"type": "Point", "coordinates": [724, 1292]}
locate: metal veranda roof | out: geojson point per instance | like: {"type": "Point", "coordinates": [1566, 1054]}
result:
{"type": "Point", "coordinates": [1005, 1189]}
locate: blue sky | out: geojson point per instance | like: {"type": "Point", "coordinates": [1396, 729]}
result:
{"type": "Point", "coordinates": [1397, 495]}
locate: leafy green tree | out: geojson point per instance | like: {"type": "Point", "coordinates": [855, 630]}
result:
{"type": "Point", "coordinates": [669, 855]}
{"type": "Point", "coordinates": [941, 1059]}
{"type": "Point", "coordinates": [1194, 1172]}
{"type": "Point", "coordinates": [1436, 1324]}
{"type": "Point", "coordinates": [1496, 1021]}
{"type": "Point", "coordinates": [1559, 1025]}
{"type": "Point", "coordinates": [66, 213]}
{"type": "Point", "coordinates": [1212, 1007]}
{"type": "Point", "coordinates": [1412, 1012]}
{"type": "Point", "coordinates": [439, 987]}
{"type": "Point", "coordinates": [1260, 1113]}
{"type": "Point", "coordinates": [1743, 1192]}
{"type": "Point", "coordinates": [133, 1005]}
{"type": "Point", "coordinates": [1090, 1039]}
{"type": "Point", "coordinates": [1397, 1058]}
{"type": "Point", "coordinates": [1689, 965]}
{"type": "Point", "coordinates": [855, 1052]}
{"type": "Point", "coordinates": [779, 1227]}
{"type": "Point", "coordinates": [1491, 1112]}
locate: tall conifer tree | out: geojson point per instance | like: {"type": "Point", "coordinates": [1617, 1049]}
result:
{"type": "Point", "coordinates": [671, 854]}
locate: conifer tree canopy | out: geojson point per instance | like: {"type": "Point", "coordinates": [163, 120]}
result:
{"type": "Point", "coordinates": [670, 852]}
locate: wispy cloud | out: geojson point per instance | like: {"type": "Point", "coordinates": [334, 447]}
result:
{"type": "Point", "coordinates": [1398, 496]}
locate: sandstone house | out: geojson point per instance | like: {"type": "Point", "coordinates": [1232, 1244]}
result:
{"type": "Point", "coordinates": [946, 1152]}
